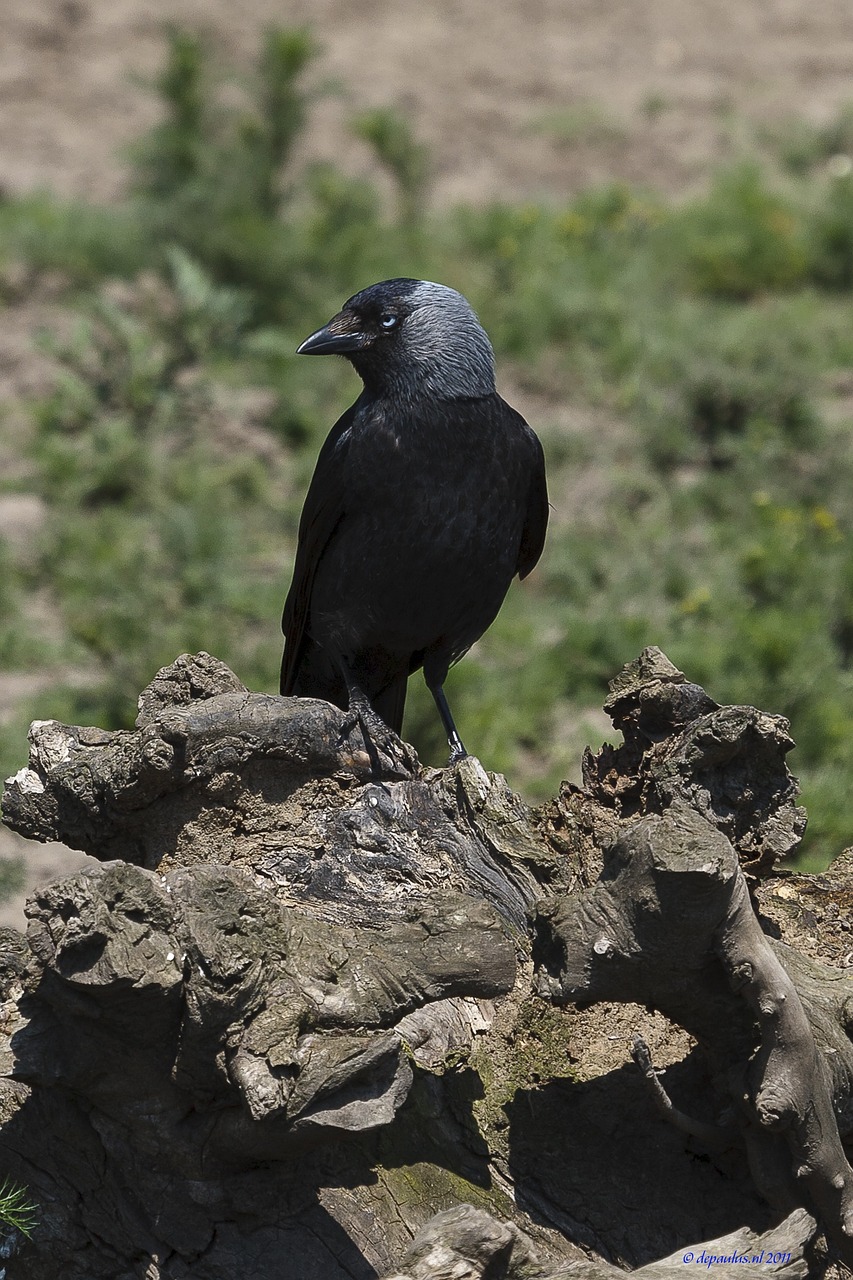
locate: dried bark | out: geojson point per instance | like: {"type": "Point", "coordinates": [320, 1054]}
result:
{"type": "Point", "coordinates": [466, 1244]}
{"type": "Point", "coordinates": [290, 1016]}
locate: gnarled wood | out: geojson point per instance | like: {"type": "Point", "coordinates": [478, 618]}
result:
{"type": "Point", "coordinates": [466, 1244]}
{"type": "Point", "coordinates": [289, 1018]}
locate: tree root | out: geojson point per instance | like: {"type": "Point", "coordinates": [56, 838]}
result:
{"type": "Point", "coordinates": [289, 1015]}
{"type": "Point", "coordinates": [670, 925]}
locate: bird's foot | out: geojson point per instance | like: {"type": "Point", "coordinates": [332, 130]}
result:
{"type": "Point", "coordinates": [457, 746]}
{"type": "Point", "coordinates": [387, 755]}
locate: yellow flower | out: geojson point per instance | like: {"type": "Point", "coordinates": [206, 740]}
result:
{"type": "Point", "coordinates": [696, 601]}
{"type": "Point", "coordinates": [826, 522]}
{"type": "Point", "coordinates": [571, 224]}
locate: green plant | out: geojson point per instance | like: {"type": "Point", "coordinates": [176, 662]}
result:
{"type": "Point", "coordinates": [144, 545]}
{"type": "Point", "coordinates": [831, 236]}
{"type": "Point", "coordinates": [743, 239]}
{"type": "Point", "coordinates": [174, 154]}
{"type": "Point", "coordinates": [802, 145]}
{"type": "Point", "coordinates": [213, 179]}
{"type": "Point", "coordinates": [654, 105]}
{"type": "Point", "coordinates": [13, 875]}
{"type": "Point", "coordinates": [282, 107]}
{"type": "Point", "coordinates": [407, 160]}
{"type": "Point", "coordinates": [17, 1210]}
{"type": "Point", "coordinates": [578, 123]}
{"type": "Point", "coordinates": [84, 242]}
{"type": "Point", "coordinates": [711, 378]}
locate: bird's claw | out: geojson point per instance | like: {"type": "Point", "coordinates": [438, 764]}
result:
{"type": "Point", "coordinates": [389, 756]}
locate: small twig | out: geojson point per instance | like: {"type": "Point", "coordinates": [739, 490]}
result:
{"type": "Point", "coordinates": [715, 1137]}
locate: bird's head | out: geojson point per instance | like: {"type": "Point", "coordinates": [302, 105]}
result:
{"type": "Point", "coordinates": [410, 337]}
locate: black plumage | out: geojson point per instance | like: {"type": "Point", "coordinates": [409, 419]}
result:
{"type": "Point", "coordinates": [427, 499]}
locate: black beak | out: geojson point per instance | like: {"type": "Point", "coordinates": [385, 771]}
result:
{"type": "Point", "coordinates": [336, 338]}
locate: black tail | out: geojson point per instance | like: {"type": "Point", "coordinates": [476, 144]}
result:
{"type": "Point", "coordinates": [391, 703]}
{"type": "Point", "coordinates": [317, 676]}
{"type": "Point", "coordinates": [314, 676]}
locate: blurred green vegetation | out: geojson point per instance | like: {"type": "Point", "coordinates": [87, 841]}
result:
{"type": "Point", "coordinates": [688, 366]}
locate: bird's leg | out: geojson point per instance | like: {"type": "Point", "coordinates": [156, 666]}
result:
{"type": "Point", "coordinates": [362, 715]}
{"type": "Point", "coordinates": [457, 748]}
{"type": "Point", "coordinates": [389, 757]}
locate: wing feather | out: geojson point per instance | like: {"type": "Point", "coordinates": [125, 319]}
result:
{"type": "Point", "coordinates": [536, 516]}
{"type": "Point", "coordinates": [323, 509]}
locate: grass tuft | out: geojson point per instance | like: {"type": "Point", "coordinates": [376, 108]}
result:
{"type": "Point", "coordinates": [17, 1210]}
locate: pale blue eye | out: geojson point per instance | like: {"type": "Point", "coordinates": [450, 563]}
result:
{"type": "Point", "coordinates": [387, 321]}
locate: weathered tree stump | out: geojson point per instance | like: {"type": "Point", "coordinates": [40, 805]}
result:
{"type": "Point", "coordinates": [294, 1013]}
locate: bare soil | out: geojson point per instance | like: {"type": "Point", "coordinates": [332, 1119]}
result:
{"type": "Point", "coordinates": [657, 82]}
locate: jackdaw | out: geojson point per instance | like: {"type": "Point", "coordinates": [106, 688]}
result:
{"type": "Point", "coordinates": [427, 499]}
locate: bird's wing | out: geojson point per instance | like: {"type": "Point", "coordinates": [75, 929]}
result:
{"type": "Point", "coordinates": [536, 517]}
{"type": "Point", "coordinates": [323, 509]}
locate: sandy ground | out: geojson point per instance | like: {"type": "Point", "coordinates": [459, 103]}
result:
{"type": "Point", "coordinates": [531, 98]}
{"type": "Point", "coordinates": [480, 78]}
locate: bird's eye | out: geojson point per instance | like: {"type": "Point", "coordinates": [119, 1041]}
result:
{"type": "Point", "coordinates": [387, 320]}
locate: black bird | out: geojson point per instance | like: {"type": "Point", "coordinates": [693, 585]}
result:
{"type": "Point", "coordinates": [427, 499]}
